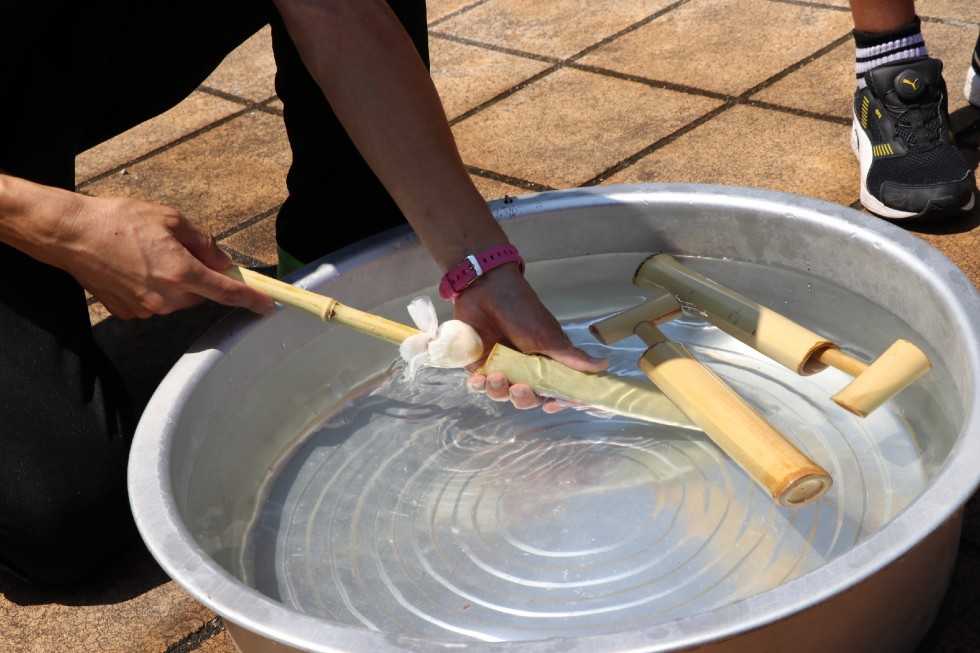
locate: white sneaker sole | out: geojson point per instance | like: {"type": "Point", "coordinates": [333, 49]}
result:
{"type": "Point", "coordinates": [861, 145]}
{"type": "Point", "coordinates": [971, 89]}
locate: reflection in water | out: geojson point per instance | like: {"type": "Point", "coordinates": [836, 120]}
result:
{"type": "Point", "coordinates": [421, 509]}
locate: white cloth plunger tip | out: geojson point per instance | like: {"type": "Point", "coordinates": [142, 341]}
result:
{"type": "Point", "coordinates": [450, 344]}
{"type": "Point", "coordinates": [456, 344]}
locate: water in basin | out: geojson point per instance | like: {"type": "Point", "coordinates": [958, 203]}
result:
{"type": "Point", "coordinates": [419, 509]}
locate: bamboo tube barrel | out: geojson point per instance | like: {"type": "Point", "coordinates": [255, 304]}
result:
{"type": "Point", "coordinates": [614, 394]}
{"type": "Point", "coordinates": [325, 308]}
{"type": "Point", "coordinates": [790, 477]}
{"type": "Point", "coordinates": [786, 342]}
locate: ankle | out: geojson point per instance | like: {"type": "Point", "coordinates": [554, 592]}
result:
{"type": "Point", "coordinates": [887, 48]}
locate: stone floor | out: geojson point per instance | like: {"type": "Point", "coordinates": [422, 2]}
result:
{"type": "Point", "coordinates": [541, 95]}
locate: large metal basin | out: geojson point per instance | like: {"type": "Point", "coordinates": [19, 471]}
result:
{"type": "Point", "coordinates": [231, 410]}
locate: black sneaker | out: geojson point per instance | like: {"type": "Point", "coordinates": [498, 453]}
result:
{"type": "Point", "coordinates": [910, 166]}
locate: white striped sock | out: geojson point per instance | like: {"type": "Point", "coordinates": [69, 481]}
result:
{"type": "Point", "coordinates": [908, 47]}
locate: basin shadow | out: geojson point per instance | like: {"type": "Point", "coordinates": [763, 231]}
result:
{"type": "Point", "coordinates": [145, 350]}
{"type": "Point", "coordinates": [132, 573]}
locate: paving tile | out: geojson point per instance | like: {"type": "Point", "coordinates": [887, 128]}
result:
{"type": "Point", "coordinates": [558, 28]}
{"type": "Point", "coordinates": [249, 72]}
{"type": "Point", "coordinates": [197, 111]}
{"type": "Point", "coordinates": [568, 127]}
{"type": "Point", "coordinates": [467, 76]}
{"type": "Point", "coordinates": [824, 86]}
{"type": "Point", "coordinates": [697, 43]}
{"type": "Point", "coordinates": [257, 241]}
{"type": "Point", "coordinates": [130, 608]}
{"type": "Point", "coordinates": [776, 158]}
{"type": "Point", "coordinates": [216, 179]}
{"type": "Point", "coordinates": [437, 10]}
{"type": "Point", "coordinates": [966, 10]}
{"type": "Point", "coordinates": [220, 643]}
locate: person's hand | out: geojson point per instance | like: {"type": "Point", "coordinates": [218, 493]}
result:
{"type": "Point", "coordinates": [503, 307]}
{"type": "Point", "coordinates": [141, 259]}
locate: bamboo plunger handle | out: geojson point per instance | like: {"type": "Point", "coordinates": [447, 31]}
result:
{"type": "Point", "coordinates": [837, 359]}
{"type": "Point", "coordinates": [325, 308]}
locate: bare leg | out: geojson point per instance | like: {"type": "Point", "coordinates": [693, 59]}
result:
{"type": "Point", "coordinates": [873, 16]}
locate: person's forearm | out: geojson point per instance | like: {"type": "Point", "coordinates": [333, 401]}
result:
{"type": "Point", "coordinates": [380, 89]}
{"type": "Point", "coordinates": [137, 258]}
{"type": "Point", "coordinates": [30, 213]}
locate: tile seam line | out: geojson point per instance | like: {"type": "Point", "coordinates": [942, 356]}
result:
{"type": "Point", "coordinates": [211, 126]}
{"type": "Point", "coordinates": [462, 40]}
{"type": "Point", "coordinates": [728, 103]}
{"type": "Point", "coordinates": [458, 12]}
{"type": "Point", "coordinates": [246, 223]}
{"type": "Point", "coordinates": [658, 144]}
{"type": "Point", "coordinates": [250, 262]}
{"type": "Point", "coordinates": [524, 184]}
{"type": "Point", "coordinates": [571, 62]}
{"type": "Point", "coordinates": [559, 63]}
{"type": "Point", "coordinates": [198, 638]}
{"type": "Point", "coordinates": [744, 96]}
{"type": "Point", "coordinates": [794, 67]}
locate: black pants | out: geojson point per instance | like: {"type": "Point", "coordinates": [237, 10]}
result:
{"type": "Point", "coordinates": [74, 74]}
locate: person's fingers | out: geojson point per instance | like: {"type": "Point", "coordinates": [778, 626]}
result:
{"type": "Point", "coordinates": [224, 290]}
{"type": "Point", "coordinates": [476, 383]}
{"type": "Point", "coordinates": [552, 406]}
{"type": "Point", "coordinates": [203, 281]}
{"type": "Point", "coordinates": [497, 387]}
{"type": "Point", "coordinates": [523, 397]}
{"type": "Point", "coordinates": [218, 287]}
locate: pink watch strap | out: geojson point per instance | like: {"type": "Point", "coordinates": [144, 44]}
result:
{"type": "Point", "coordinates": [475, 266]}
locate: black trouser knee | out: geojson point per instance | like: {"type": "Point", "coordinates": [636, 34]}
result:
{"type": "Point", "coordinates": [66, 429]}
